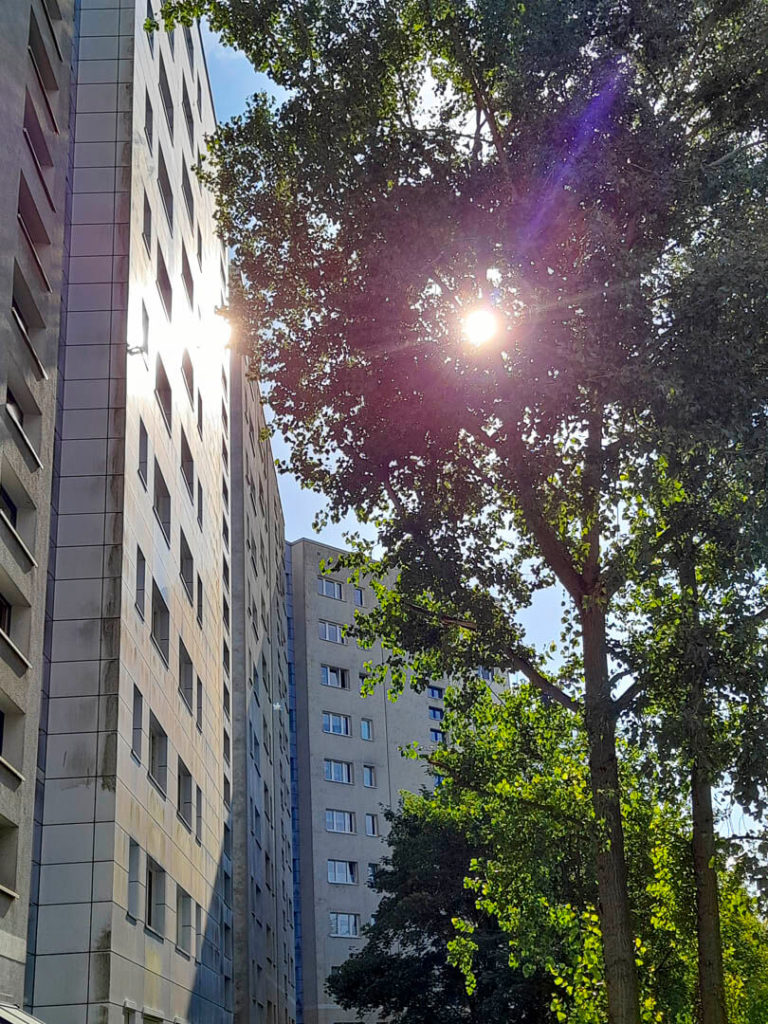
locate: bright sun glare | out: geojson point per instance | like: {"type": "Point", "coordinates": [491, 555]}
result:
{"type": "Point", "coordinates": [480, 326]}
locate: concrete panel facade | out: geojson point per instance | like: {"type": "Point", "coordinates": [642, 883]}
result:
{"type": "Point", "coordinates": [349, 769]}
{"type": "Point", "coordinates": [35, 54]}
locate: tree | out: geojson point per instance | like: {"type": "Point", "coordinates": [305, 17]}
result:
{"type": "Point", "coordinates": [555, 164]}
{"type": "Point", "coordinates": [513, 815]}
{"type": "Point", "coordinates": [403, 974]}
{"type": "Point", "coordinates": [516, 775]}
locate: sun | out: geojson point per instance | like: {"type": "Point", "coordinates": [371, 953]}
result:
{"type": "Point", "coordinates": [480, 326]}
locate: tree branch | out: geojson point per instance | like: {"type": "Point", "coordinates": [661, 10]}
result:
{"type": "Point", "coordinates": [622, 703]}
{"type": "Point", "coordinates": [544, 685]}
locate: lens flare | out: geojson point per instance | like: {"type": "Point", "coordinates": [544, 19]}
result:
{"type": "Point", "coordinates": [480, 326]}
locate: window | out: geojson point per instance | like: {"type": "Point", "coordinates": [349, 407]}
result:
{"type": "Point", "coordinates": [371, 825]}
{"type": "Point", "coordinates": [225, 572]}
{"type": "Point", "coordinates": [486, 674]}
{"type": "Point", "coordinates": [198, 814]}
{"type": "Point", "coordinates": [333, 676]}
{"type": "Point", "coordinates": [162, 504]}
{"type": "Point", "coordinates": [436, 735]}
{"type": "Point", "coordinates": [366, 728]}
{"type": "Point", "coordinates": [345, 925]}
{"type": "Point", "coordinates": [154, 915]}
{"type": "Point", "coordinates": [435, 692]}
{"type": "Point", "coordinates": [186, 108]}
{"type": "Point", "coordinates": [227, 747]}
{"type": "Point", "coordinates": [359, 597]}
{"type": "Point", "coordinates": [183, 920]}
{"type": "Point", "coordinates": [9, 507]}
{"type": "Point", "coordinates": [342, 872]}
{"type": "Point", "coordinates": [188, 374]}
{"type": "Point", "coordinates": [225, 533]}
{"type": "Point", "coordinates": [371, 873]}
{"type": "Point", "coordinates": [436, 713]}
{"type": "Point", "coordinates": [143, 453]}
{"type": "Point", "coordinates": [134, 886]}
{"type": "Point", "coordinates": [164, 287]}
{"type": "Point", "coordinates": [184, 794]}
{"type": "Point", "coordinates": [331, 631]}
{"type": "Point", "coordinates": [163, 393]}
{"type": "Point", "coordinates": [199, 709]}
{"type": "Point", "coordinates": [199, 601]}
{"type": "Point", "coordinates": [144, 329]}
{"type": "Point", "coordinates": [200, 505]}
{"type": "Point", "coordinates": [339, 821]}
{"type": "Point", "coordinates": [225, 493]}
{"type": "Point", "coordinates": [166, 191]}
{"type": "Point", "coordinates": [329, 588]}
{"type": "Point", "coordinates": [199, 248]}
{"type": "Point", "coordinates": [6, 614]}
{"type": "Point", "coordinates": [186, 276]}
{"type": "Point", "coordinates": [149, 121]}
{"type": "Point", "coordinates": [146, 229]}
{"type": "Point", "coordinates": [336, 724]}
{"type": "Point", "coordinates": [165, 96]}
{"type": "Point", "coordinates": [338, 771]}
{"type": "Point", "coordinates": [150, 35]}
{"type": "Point", "coordinates": [138, 722]}
{"type": "Point", "coordinates": [369, 776]}
{"type": "Point", "coordinates": [158, 753]}
{"type": "Point", "coordinates": [190, 46]}
{"type": "Point", "coordinates": [141, 580]}
{"type": "Point", "coordinates": [186, 675]}
{"type": "Point", "coordinates": [187, 465]}
{"type": "Point", "coordinates": [199, 99]}
{"type": "Point", "coordinates": [161, 622]}
{"type": "Point", "coordinates": [227, 792]}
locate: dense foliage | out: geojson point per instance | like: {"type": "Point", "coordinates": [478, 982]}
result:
{"type": "Point", "coordinates": [591, 174]}
{"type": "Point", "coordinates": [403, 974]}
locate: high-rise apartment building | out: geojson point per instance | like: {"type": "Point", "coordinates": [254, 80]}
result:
{"type": "Point", "coordinates": [263, 856]}
{"type": "Point", "coordinates": [348, 770]}
{"type": "Point", "coordinates": [133, 912]}
{"type": "Point", "coordinates": [161, 794]}
{"type": "Point", "coordinates": [35, 48]}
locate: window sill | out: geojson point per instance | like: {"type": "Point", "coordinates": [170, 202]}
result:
{"type": "Point", "coordinates": [143, 478]}
{"type": "Point", "coordinates": [10, 768]}
{"type": "Point", "coordinates": [162, 410]}
{"type": "Point", "coordinates": [10, 893]}
{"type": "Point", "coordinates": [139, 612]}
{"type": "Point", "coordinates": [159, 649]}
{"type": "Point", "coordinates": [187, 591]}
{"type": "Point", "coordinates": [187, 824]}
{"type": "Point", "coordinates": [136, 757]}
{"type": "Point", "coordinates": [159, 521]}
{"type": "Point", "coordinates": [28, 446]}
{"type": "Point", "coordinates": [159, 789]}
{"type": "Point", "coordinates": [17, 658]}
{"type": "Point", "coordinates": [185, 702]}
{"type": "Point", "coordinates": [183, 953]}
{"type": "Point", "coordinates": [155, 935]}
{"type": "Point", "coordinates": [30, 558]}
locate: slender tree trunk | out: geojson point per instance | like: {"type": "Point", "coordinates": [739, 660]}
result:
{"type": "Point", "coordinates": [711, 974]}
{"type": "Point", "coordinates": [613, 898]}
{"type": "Point", "coordinates": [710, 949]}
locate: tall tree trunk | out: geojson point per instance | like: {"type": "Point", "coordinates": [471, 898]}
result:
{"type": "Point", "coordinates": [613, 897]}
{"type": "Point", "coordinates": [710, 949]}
{"type": "Point", "coordinates": [711, 974]}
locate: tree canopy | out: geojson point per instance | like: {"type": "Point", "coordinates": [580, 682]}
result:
{"type": "Point", "coordinates": [591, 176]}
